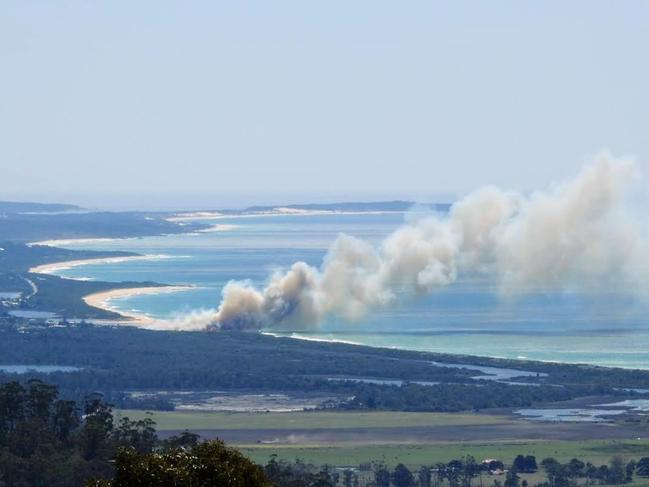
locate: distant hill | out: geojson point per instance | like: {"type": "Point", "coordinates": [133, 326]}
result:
{"type": "Point", "coordinates": [396, 205]}
{"type": "Point", "coordinates": [20, 207]}
{"type": "Point", "coordinates": [28, 226]}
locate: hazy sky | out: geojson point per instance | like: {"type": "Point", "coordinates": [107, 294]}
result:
{"type": "Point", "coordinates": [209, 104]}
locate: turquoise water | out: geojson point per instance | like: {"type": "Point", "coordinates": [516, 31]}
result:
{"type": "Point", "coordinates": [468, 317]}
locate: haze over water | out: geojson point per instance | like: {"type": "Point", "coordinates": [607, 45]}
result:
{"type": "Point", "coordinates": [467, 317]}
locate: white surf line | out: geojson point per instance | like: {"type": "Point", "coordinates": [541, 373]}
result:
{"type": "Point", "coordinates": [62, 242]}
{"type": "Point", "coordinates": [298, 336]}
{"type": "Point", "coordinates": [54, 267]}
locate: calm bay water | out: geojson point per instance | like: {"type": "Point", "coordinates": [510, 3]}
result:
{"type": "Point", "coordinates": [468, 317]}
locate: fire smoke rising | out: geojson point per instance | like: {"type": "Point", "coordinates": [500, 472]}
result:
{"type": "Point", "coordinates": [574, 235]}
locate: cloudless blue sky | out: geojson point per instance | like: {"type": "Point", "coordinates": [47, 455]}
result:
{"type": "Point", "coordinates": [209, 104]}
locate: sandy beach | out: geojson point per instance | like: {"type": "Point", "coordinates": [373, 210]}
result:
{"type": "Point", "coordinates": [195, 215]}
{"type": "Point", "coordinates": [102, 300]}
{"type": "Point", "coordinates": [68, 264]}
{"type": "Point", "coordinates": [280, 211]}
{"type": "Point", "coordinates": [62, 242]}
{"type": "Point", "coordinates": [221, 227]}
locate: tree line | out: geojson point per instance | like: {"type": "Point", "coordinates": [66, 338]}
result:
{"type": "Point", "coordinates": [54, 442]}
{"type": "Point", "coordinates": [463, 472]}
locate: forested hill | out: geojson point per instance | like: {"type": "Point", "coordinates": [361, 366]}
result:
{"type": "Point", "coordinates": [26, 207]}
{"type": "Point", "coordinates": [17, 257]}
{"type": "Point", "coordinates": [26, 227]}
{"type": "Point", "coordinates": [396, 205]}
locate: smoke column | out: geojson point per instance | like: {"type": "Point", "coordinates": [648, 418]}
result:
{"type": "Point", "coordinates": [574, 235]}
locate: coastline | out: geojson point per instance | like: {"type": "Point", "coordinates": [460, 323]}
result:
{"type": "Point", "coordinates": [188, 217]}
{"type": "Point", "coordinates": [492, 358]}
{"type": "Point", "coordinates": [299, 336]}
{"type": "Point", "coordinates": [219, 227]}
{"type": "Point", "coordinates": [53, 267]}
{"type": "Point", "coordinates": [102, 300]}
{"type": "Point", "coordinates": [62, 242]}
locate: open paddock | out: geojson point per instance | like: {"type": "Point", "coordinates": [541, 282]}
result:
{"type": "Point", "coordinates": [351, 438]}
{"type": "Point", "coordinates": [307, 420]}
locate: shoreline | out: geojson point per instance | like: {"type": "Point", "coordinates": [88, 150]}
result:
{"type": "Point", "coordinates": [299, 335]}
{"type": "Point", "coordinates": [62, 242]}
{"type": "Point", "coordinates": [181, 217]}
{"type": "Point", "coordinates": [102, 299]}
{"type": "Point", "coordinates": [53, 267]}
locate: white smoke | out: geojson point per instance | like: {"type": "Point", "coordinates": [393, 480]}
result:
{"type": "Point", "coordinates": [577, 234]}
{"type": "Point", "coordinates": [573, 235]}
{"type": "Point", "coordinates": [196, 320]}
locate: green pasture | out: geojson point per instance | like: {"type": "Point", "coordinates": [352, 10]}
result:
{"type": "Point", "coordinates": [180, 420]}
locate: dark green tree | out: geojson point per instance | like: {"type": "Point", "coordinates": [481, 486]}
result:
{"type": "Point", "coordinates": [642, 468]}
{"type": "Point", "coordinates": [381, 476]}
{"type": "Point", "coordinates": [470, 470]}
{"type": "Point", "coordinates": [139, 434]}
{"type": "Point", "coordinates": [556, 473]}
{"type": "Point", "coordinates": [402, 476]}
{"type": "Point", "coordinates": [525, 464]}
{"type": "Point", "coordinates": [629, 470]}
{"type": "Point", "coordinates": [617, 473]}
{"type": "Point", "coordinates": [440, 473]}
{"type": "Point", "coordinates": [97, 428]}
{"type": "Point", "coordinates": [512, 479]}
{"type": "Point", "coordinates": [186, 439]}
{"type": "Point", "coordinates": [576, 468]}
{"type": "Point", "coordinates": [348, 478]}
{"type": "Point", "coordinates": [208, 464]}
{"type": "Point", "coordinates": [424, 477]}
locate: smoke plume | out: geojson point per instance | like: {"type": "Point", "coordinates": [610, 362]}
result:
{"type": "Point", "coordinates": [574, 235]}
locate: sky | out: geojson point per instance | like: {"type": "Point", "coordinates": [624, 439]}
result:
{"type": "Point", "coordinates": [165, 105]}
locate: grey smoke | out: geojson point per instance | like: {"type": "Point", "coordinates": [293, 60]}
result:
{"type": "Point", "coordinates": [574, 235]}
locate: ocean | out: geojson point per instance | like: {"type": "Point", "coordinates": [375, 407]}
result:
{"type": "Point", "coordinates": [467, 317]}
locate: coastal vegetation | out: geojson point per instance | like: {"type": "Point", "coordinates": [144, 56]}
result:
{"type": "Point", "coordinates": [115, 360]}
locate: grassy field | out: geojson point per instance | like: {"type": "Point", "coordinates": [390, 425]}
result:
{"type": "Point", "coordinates": [179, 420]}
{"type": "Point", "coordinates": [413, 454]}
{"type": "Point", "coordinates": [595, 451]}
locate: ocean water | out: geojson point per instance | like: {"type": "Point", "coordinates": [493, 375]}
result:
{"type": "Point", "coordinates": [467, 317]}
